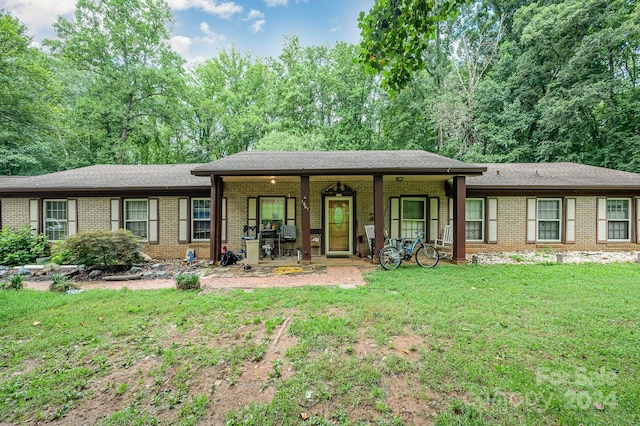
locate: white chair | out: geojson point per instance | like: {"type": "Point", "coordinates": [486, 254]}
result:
{"type": "Point", "coordinates": [444, 245]}
{"type": "Point", "coordinates": [371, 236]}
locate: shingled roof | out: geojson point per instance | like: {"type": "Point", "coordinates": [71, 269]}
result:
{"type": "Point", "coordinates": [109, 178]}
{"type": "Point", "coordinates": [552, 176]}
{"type": "Point", "coordinates": [294, 163]}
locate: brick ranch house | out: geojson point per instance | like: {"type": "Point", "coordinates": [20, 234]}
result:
{"type": "Point", "coordinates": [329, 197]}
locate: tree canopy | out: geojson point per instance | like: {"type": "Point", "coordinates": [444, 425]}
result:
{"type": "Point", "coordinates": [480, 81]}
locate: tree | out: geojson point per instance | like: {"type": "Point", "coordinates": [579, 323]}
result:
{"type": "Point", "coordinates": [395, 34]}
{"type": "Point", "coordinates": [28, 93]}
{"type": "Point", "coordinates": [133, 79]}
{"type": "Point", "coordinates": [230, 99]}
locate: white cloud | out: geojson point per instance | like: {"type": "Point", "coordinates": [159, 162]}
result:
{"type": "Point", "coordinates": [254, 14]}
{"type": "Point", "coordinates": [273, 3]}
{"type": "Point", "coordinates": [211, 37]}
{"type": "Point", "coordinates": [38, 14]}
{"type": "Point", "coordinates": [256, 27]}
{"type": "Point", "coordinates": [181, 44]}
{"type": "Point", "coordinates": [224, 10]}
{"type": "Point", "coordinates": [335, 29]}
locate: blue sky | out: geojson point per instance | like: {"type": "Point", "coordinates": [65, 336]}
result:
{"type": "Point", "coordinates": [203, 27]}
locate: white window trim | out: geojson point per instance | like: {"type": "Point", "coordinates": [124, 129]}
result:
{"type": "Point", "coordinates": [628, 220]}
{"type": "Point", "coordinates": [559, 220]}
{"type": "Point", "coordinates": [193, 219]}
{"type": "Point", "coordinates": [425, 203]}
{"type": "Point", "coordinates": [481, 220]}
{"type": "Point", "coordinates": [124, 215]}
{"type": "Point", "coordinates": [44, 215]}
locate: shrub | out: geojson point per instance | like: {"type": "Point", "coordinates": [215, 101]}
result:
{"type": "Point", "coordinates": [187, 281]}
{"type": "Point", "coordinates": [62, 284]}
{"type": "Point", "coordinates": [103, 248]}
{"type": "Point", "coordinates": [15, 283]}
{"type": "Point", "coordinates": [60, 254]}
{"type": "Point", "coordinates": [21, 246]}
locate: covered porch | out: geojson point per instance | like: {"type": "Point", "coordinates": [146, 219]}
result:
{"type": "Point", "coordinates": [330, 196]}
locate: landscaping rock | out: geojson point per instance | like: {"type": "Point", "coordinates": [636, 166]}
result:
{"type": "Point", "coordinates": [160, 274]}
{"type": "Point", "coordinates": [24, 271]}
{"type": "Point", "coordinates": [136, 269]}
{"type": "Point", "coordinates": [157, 266]}
{"type": "Point", "coordinates": [95, 273]}
{"type": "Point", "coordinates": [81, 267]}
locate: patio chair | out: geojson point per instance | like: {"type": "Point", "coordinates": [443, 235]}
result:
{"type": "Point", "coordinates": [444, 245]}
{"type": "Point", "coordinates": [288, 236]}
{"type": "Point", "coordinates": [371, 238]}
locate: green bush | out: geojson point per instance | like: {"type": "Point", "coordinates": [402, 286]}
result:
{"type": "Point", "coordinates": [62, 284]}
{"type": "Point", "coordinates": [15, 283]}
{"type": "Point", "coordinates": [21, 246]}
{"type": "Point", "coordinates": [187, 281]}
{"type": "Point", "coordinates": [103, 248]}
{"type": "Point", "coordinates": [60, 254]}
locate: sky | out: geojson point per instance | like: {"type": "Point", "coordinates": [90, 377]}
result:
{"type": "Point", "coordinates": [203, 27]}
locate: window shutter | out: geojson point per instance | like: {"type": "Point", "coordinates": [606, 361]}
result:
{"type": "Point", "coordinates": [291, 211]}
{"type": "Point", "coordinates": [34, 215]}
{"type": "Point", "coordinates": [183, 220]}
{"type": "Point", "coordinates": [638, 220]}
{"type": "Point", "coordinates": [570, 225]}
{"type": "Point", "coordinates": [72, 217]}
{"type": "Point", "coordinates": [394, 208]}
{"type": "Point", "coordinates": [434, 219]}
{"type": "Point", "coordinates": [601, 231]}
{"type": "Point", "coordinates": [252, 211]}
{"type": "Point", "coordinates": [223, 235]}
{"type": "Point", "coordinates": [115, 214]}
{"type": "Point", "coordinates": [492, 220]}
{"type": "Point", "coordinates": [531, 220]}
{"type": "Point", "coordinates": [153, 221]}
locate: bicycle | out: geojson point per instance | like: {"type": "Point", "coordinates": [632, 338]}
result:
{"type": "Point", "coordinates": [426, 255]}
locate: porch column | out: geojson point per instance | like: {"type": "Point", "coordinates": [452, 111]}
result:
{"type": "Point", "coordinates": [378, 214]}
{"type": "Point", "coordinates": [459, 201]}
{"type": "Point", "coordinates": [215, 238]}
{"type": "Point", "coordinates": [305, 219]}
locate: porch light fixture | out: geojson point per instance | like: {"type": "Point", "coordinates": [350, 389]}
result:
{"type": "Point", "coordinates": [399, 178]}
{"type": "Point", "coordinates": [273, 181]}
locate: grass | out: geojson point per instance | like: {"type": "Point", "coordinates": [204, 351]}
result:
{"type": "Point", "coordinates": [523, 344]}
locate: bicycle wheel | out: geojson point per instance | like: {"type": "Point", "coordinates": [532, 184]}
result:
{"type": "Point", "coordinates": [390, 257]}
{"type": "Point", "coordinates": [427, 256]}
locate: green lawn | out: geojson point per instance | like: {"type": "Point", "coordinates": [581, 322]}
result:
{"type": "Point", "coordinates": [526, 344]}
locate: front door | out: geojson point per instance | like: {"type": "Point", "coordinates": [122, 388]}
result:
{"type": "Point", "coordinates": [338, 226]}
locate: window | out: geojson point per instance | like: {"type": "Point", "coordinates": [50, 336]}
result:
{"type": "Point", "coordinates": [200, 219]}
{"type": "Point", "coordinates": [549, 219]}
{"type": "Point", "coordinates": [618, 219]}
{"type": "Point", "coordinates": [474, 216]}
{"type": "Point", "coordinates": [413, 214]}
{"type": "Point", "coordinates": [272, 212]}
{"type": "Point", "coordinates": [136, 217]}
{"type": "Point", "coordinates": [55, 219]}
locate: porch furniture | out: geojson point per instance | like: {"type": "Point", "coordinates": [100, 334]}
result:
{"type": "Point", "coordinates": [444, 245]}
{"type": "Point", "coordinates": [269, 242]}
{"type": "Point", "coordinates": [288, 236]}
{"type": "Point", "coordinates": [371, 239]}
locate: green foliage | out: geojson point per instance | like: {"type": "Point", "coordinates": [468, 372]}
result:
{"type": "Point", "coordinates": [187, 281]}
{"type": "Point", "coordinates": [20, 247]}
{"type": "Point", "coordinates": [395, 35]}
{"type": "Point", "coordinates": [15, 283]}
{"type": "Point", "coordinates": [61, 284]}
{"type": "Point", "coordinates": [60, 253]}
{"type": "Point", "coordinates": [103, 248]}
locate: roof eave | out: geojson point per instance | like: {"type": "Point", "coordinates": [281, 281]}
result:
{"type": "Point", "coordinates": [467, 171]}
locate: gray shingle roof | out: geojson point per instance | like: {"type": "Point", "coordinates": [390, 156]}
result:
{"type": "Point", "coordinates": [111, 177]}
{"type": "Point", "coordinates": [277, 163]}
{"type": "Point", "coordinates": [552, 175]}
